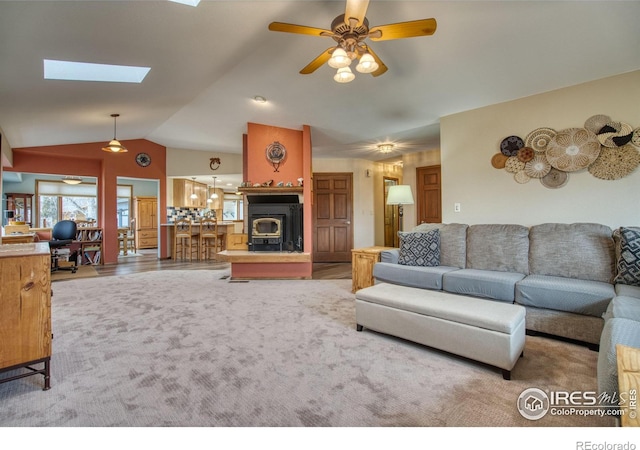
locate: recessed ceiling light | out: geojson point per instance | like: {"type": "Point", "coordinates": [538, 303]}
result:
{"type": "Point", "coordinates": [259, 99]}
{"type": "Point", "coordinates": [80, 71]}
{"type": "Point", "coordinates": [187, 2]}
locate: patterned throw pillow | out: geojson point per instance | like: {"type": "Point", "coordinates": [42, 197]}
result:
{"type": "Point", "coordinates": [419, 248]}
{"type": "Point", "coordinates": [628, 266]}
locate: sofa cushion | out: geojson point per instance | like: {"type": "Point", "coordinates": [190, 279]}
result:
{"type": "Point", "coordinates": [623, 307]}
{"type": "Point", "coordinates": [419, 248]}
{"type": "Point", "coordinates": [491, 284]}
{"type": "Point", "coordinates": [503, 248]}
{"type": "Point", "coordinates": [628, 258]}
{"type": "Point", "coordinates": [615, 331]}
{"type": "Point", "coordinates": [453, 242]}
{"type": "Point", "coordinates": [580, 250]}
{"type": "Point", "coordinates": [565, 294]}
{"type": "Point", "coordinates": [628, 291]}
{"type": "Point", "coordinates": [414, 276]}
{"type": "Point", "coordinates": [390, 256]}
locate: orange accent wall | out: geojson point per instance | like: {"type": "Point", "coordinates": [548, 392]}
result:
{"type": "Point", "coordinates": [297, 164]}
{"type": "Point", "coordinates": [259, 169]}
{"type": "Point", "coordinates": [90, 161]}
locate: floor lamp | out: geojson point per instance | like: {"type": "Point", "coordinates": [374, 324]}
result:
{"type": "Point", "coordinates": [400, 195]}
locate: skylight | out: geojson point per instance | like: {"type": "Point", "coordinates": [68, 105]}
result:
{"type": "Point", "coordinates": [187, 2]}
{"type": "Point", "coordinates": [80, 71]}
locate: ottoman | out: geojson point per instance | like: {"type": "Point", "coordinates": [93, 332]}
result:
{"type": "Point", "coordinates": [487, 331]}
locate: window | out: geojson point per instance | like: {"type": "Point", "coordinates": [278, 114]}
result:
{"type": "Point", "coordinates": [59, 201]}
{"type": "Point", "coordinates": [233, 208]}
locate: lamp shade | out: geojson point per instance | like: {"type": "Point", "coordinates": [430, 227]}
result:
{"type": "Point", "coordinates": [344, 75]}
{"type": "Point", "coordinates": [339, 59]}
{"type": "Point", "coordinates": [400, 195]}
{"type": "Point", "coordinates": [72, 180]}
{"type": "Point", "coordinates": [367, 64]}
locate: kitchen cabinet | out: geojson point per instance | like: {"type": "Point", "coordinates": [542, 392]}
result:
{"type": "Point", "coordinates": [146, 217]}
{"type": "Point", "coordinates": [25, 310]}
{"type": "Point", "coordinates": [182, 191]}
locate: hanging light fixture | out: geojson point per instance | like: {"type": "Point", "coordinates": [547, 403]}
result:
{"type": "Point", "coordinates": [193, 189]}
{"type": "Point", "coordinates": [344, 75]}
{"type": "Point", "coordinates": [367, 64]}
{"type": "Point", "coordinates": [339, 58]}
{"type": "Point", "coordinates": [114, 145]}
{"type": "Point", "coordinates": [215, 194]}
{"type": "Point", "coordinates": [72, 180]}
{"type": "Point", "coordinates": [386, 148]}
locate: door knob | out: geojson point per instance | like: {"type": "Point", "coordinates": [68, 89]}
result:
{"type": "Point", "coordinates": [348, 222]}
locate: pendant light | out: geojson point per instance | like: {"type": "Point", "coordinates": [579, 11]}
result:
{"type": "Point", "coordinates": [193, 189]}
{"type": "Point", "coordinates": [215, 194]}
{"type": "Point", "coordinates": [114, 145]}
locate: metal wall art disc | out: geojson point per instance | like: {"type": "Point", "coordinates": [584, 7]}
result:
{"type": "Point", "coordinates": [555, 179]}
{"type": "Point", "coordinates": [276, 154]}
{"type": "Point", "coordinates": [573, 149]}
{"type": "Point", "coordinates": [539, 138]}
{"type": "Point", "coordinates": [615, 163]}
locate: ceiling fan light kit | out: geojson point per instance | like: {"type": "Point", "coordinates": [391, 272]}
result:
{"type": "Point", "coordinates": [350, 30]}
{"type": "Point", "coordinates": [344, 75]}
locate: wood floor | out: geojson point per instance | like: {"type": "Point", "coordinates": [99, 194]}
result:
{"type": "Point", "coordinates": [148, 261]}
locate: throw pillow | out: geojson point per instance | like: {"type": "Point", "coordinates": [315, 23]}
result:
{"type": "Point", "coordinates": [628, 265]}
{"type": "Point", "coordinates": [419, 248]}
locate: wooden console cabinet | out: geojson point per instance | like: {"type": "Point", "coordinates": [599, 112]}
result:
{"type": "Point", "coordinates": [25, 311]}
{"type": "Point", "coordinates": [362, 262]}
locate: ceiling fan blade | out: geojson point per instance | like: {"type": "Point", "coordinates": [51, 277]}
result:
{"type": "Point", "coordinates": [299, 29]}
{"type": "Point", "coordinates": [382, 68]}
{"type": "Point", "coordinates": [319, 61]}
{"type": "Point", "coordinates": [414, 28]}
{"type": "Point", "coordinates": [355, 9]}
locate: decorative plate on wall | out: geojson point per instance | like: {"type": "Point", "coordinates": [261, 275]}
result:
{"type": "Point", "coordinates": [510, 145]}
{"type": "Point", "coordinates": [539, 138]}
{"type": "Point", "coordinates": [513, 165]}
{"type": "Point", "coordinates": [615, 163]}
{"type": "Point", "coordinates": [595, 123]}
{"type": "Point", "coordinates": [635, 138]}
{"type": "Point", "coordinates": [499, 160]}
{"type": "Point", "coordinates": [573, 149]}
{"type": "Point", "coordinates": [521, 177]}
{"type": "Point", "coordinates": [538, 167]}
{"type": "Point", "coordinates": [555, 179]}
{"type": "Point", "coordinates": [276, 153]}
{"type": "Point", "coordinates": [526, 154]}
{"type": "Point", "coordinates": [143, 159]}
{"type": "Point", "coordinates": [615, 134]}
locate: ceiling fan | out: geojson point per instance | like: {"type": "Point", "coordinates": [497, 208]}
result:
{"type": "Point", "coordinates": [350, 30]}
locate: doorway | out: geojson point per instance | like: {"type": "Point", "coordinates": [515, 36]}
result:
{"type": "Point", "coordinates": [429, 195]}
{"type": "Point", "coordinates": [391, 218]}
{"type": "Point", "coordinates": [332, 217]}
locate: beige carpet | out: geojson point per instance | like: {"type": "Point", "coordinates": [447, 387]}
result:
{"type": "Point", "coordinates": [191, 348]}
{"type": "Point", "coordinates": [82, 272]}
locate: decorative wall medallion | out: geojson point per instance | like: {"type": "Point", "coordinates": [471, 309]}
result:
{"type": "Point", "coordinates": [615, 134]}
{"type": "Point", "coordinates": [615, 163]}
{"type": "Point", "coordinates": [539, 138]}
{"type": "Point", "coordinates": [214, 163]}
{"type": "Point", "coordinates": [595, 123]}
{"type": "Point", "coordinates": [538, 167]}
{"type": "Point", "coordinates": [555, 179]}
{"type": "Point", "coordinates": [514, 165]}
{"type": "Point", "coordinates": [276, 154]}
{"type": "Point", "coordinates": [573, 149]}
{"type": "Point", "coordinates": [499, 160]}
{"type": "Point", "coordinates": [510, 145]}
{"type": "Point", "coordinates": [143, 159]}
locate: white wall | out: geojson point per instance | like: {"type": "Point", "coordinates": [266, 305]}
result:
{"type": "Point", "coordinates": [489, 195]}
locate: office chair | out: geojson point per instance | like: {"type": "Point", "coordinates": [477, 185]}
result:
{"type": "Point", "coordinates": [62, 235]}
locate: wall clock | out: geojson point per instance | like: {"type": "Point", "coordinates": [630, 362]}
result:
{"type": "Point", "coordinates": [143, 159]}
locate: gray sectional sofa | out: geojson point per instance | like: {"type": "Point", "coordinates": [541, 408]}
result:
{"type": "Point", "coordinates": [565, 275]}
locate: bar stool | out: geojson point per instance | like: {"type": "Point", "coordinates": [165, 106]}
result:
{"type": "Point", "coordinates": [183, 239]}
{"type": "Point", "coordinates": [209, 239]}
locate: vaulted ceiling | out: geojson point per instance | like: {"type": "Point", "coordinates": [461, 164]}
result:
{"type": "Point", "coordinates": [208, 62]}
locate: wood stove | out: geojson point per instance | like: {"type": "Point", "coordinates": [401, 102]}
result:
{"type": "Point", "coordinates": [275, 223]}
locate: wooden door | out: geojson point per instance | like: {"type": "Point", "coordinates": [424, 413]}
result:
{"type": "Point", "coordinates": [332, 217]}
{"type": "Point", "coordinates": [429, 201]}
